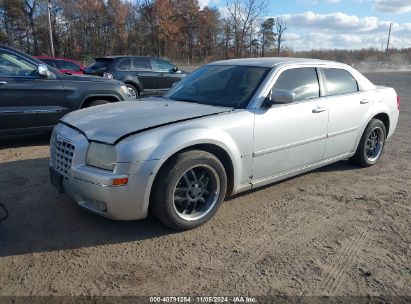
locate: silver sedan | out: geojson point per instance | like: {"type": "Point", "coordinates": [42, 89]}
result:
{"type": "Point", "coordinates": [228, 127]}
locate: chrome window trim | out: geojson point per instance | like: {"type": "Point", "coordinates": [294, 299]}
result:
{"type": "Point", "coordinates": [258, 100]}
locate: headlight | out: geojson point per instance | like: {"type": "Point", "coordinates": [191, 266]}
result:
{"type": "Point", "coordinates": [124, 90]}
{"type": "Point", "coordinates": [102, 156]}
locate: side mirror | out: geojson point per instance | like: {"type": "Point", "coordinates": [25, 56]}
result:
{"type": "Point", "coordinates": [176, 70]}
{"type": "Point", "coordinates": [280, 96]}
{"type": "Point", "coordinates": [43, 70]}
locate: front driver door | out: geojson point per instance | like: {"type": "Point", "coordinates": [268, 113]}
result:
{"type": "Point", "coordinates": [166, 74]}
{"type": "Point", "coordinates": [145, 75]}
{"type": "Point", "coordinates": [26, 99]}
{"type": "Point", "coordinates": [288, 137]}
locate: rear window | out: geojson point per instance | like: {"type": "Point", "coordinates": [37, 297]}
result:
{"type": "Point", "coordinates": [338, 81]}
{"type": "Point", "coordinates": [67, 65]}
{"type": "Point", "coordinates": [50, 62]}
{"type": "Point", "coordinates": [124, 64]}
{"type": "Point", "coordinates": [141, 63]}
{"type": "Point", "coordinates": [100, 65]}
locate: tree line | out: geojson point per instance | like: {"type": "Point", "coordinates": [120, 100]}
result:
{"type": "Point", "coordinates": [176, 29]}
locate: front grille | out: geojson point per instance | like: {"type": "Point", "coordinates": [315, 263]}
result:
{"type": "Point", "coordinates": [61, 154]}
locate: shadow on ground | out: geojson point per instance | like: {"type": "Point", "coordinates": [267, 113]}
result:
{"type": "Point", "coordinates": [40, 219]}
{"type": "Point", "coordinates": [344, 165]}
{"type": "Point", "coordinates": [27, 140]}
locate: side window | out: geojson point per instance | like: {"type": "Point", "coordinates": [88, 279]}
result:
{"type": "Point", "coordinates": [302, 81]}
{"type": "Point", "coordinates": [338, 81]}
{"type": "Point", "coordinates": [12, 65]}
{"type": "Point", "coordinates": [67, 65]}
{"type": "Point", "coordinates": [125, 64]}
{"type": "Point", "coordinates": [141, 63]}
{"type": "Point", "coordinates": [161, 65]}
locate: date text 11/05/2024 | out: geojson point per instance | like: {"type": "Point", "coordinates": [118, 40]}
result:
{"type": "Point", "coordinates": [203, 299]}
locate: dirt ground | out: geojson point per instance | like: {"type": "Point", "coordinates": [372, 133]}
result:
{"type": "Point", "coordinates": [339, 230]}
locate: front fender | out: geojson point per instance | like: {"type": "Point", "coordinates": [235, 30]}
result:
{"type": "Point", "coordinates": [161, 144]}
{"type": "Point", "coordinates": [151, 147]}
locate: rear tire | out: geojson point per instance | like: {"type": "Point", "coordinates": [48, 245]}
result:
{"type": "Point", "coordinates": [371, 145]}
{"type": "Point", "coordinates": [188, 190]}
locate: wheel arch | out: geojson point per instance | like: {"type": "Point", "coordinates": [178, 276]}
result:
{"type": "Point", "coordinates": [222, 155]}
{"type": "Point", "coordinates": [385, 120]}
{"type": "Point", "coordinates": [383, 116]}
{"type": "Point", "coordinates": [88, 99]}
{"type": "Point", "coordinates": [135, 84]}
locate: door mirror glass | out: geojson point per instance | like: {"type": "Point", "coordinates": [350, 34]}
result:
{"type": "Point", "coordinates": [281, 97]}
{"type": "Point", "coordinates": [43, 70]}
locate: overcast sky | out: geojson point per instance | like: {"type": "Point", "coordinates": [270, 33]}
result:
{"type": "Point", "coordinates": [351, 24]}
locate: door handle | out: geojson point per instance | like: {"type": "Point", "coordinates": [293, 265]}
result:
{"type": "Point", "coordinates": [161, 75]}
{"type": "Point", "coordinates": [2, 82]}
{"type": "Point", "coordinates": [138, 74]}
{"type": "Point", "coordinates": [364, 101]}
{"type": "Point", "coordinates": [319, 110]}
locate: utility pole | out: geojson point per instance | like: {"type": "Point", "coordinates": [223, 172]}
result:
{"type": "Point", "coordinates": [388, 44]}
{"type": "Point", "coordinates": [51, 32]}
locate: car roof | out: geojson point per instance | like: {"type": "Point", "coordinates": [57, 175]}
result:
{"type": "Point", "coordinates": [120, 56]}
{"type": "Point", "coordinates": [114, 57]}
{"type": "Point", "coordinates": [269, 62]}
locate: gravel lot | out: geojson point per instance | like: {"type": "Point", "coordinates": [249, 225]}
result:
{"type": "Point", "coordinates": [340, 230]}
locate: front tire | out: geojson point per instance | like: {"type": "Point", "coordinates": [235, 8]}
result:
{"type": "Point", "coordinates": [371, 145]}
{"type": "Point", "coordinates": [132, 90]}
{"type": "Point", "coordinates": [188, 190]}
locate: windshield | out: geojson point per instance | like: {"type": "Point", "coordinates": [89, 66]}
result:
{"type": "Point", "coordinates": [220, 85]}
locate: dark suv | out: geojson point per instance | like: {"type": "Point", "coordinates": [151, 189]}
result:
{"type": "Point", "coordinates": [142, 75]}
{"type": "Point", "coordinates": [34, 96]}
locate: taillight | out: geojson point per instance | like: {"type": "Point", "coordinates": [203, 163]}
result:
{"type": "Point", "coordinates": [398, 102]}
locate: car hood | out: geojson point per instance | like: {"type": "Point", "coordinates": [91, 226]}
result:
{"type": "Point", "coordinates": [110, 122]}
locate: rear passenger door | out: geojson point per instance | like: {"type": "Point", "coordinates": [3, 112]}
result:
{"type": "Point", "coordinates": [347, 108]}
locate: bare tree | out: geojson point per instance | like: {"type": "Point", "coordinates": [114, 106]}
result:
{"type": "Point", "coordinates": [280, 29]}
{"type": "Point", "coordinates": [242, 14]}
{"type": "Point", "coordinates": [29, 8]}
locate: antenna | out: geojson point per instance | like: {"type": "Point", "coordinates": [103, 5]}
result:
{"type": "Point", "coordinates": [50, 30]}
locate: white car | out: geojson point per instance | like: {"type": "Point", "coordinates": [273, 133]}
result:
{"type": "Point", "coordinates": [228, 127]}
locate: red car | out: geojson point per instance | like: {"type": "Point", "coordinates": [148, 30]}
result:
{"type": "Point", "coordinates": [64, 65]}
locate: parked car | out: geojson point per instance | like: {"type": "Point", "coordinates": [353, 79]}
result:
{"type": "Point", "coordinates": [63, 65]}
{"type": "Point", "coordinates": [228, 127]}
{"type": "Point", "coordinates": [33, 96]}
{"type": "Point", "coordinates": [142, 75]}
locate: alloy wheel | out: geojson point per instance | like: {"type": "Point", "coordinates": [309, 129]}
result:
{"type": "Point", "coordinates": [196, 192]}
